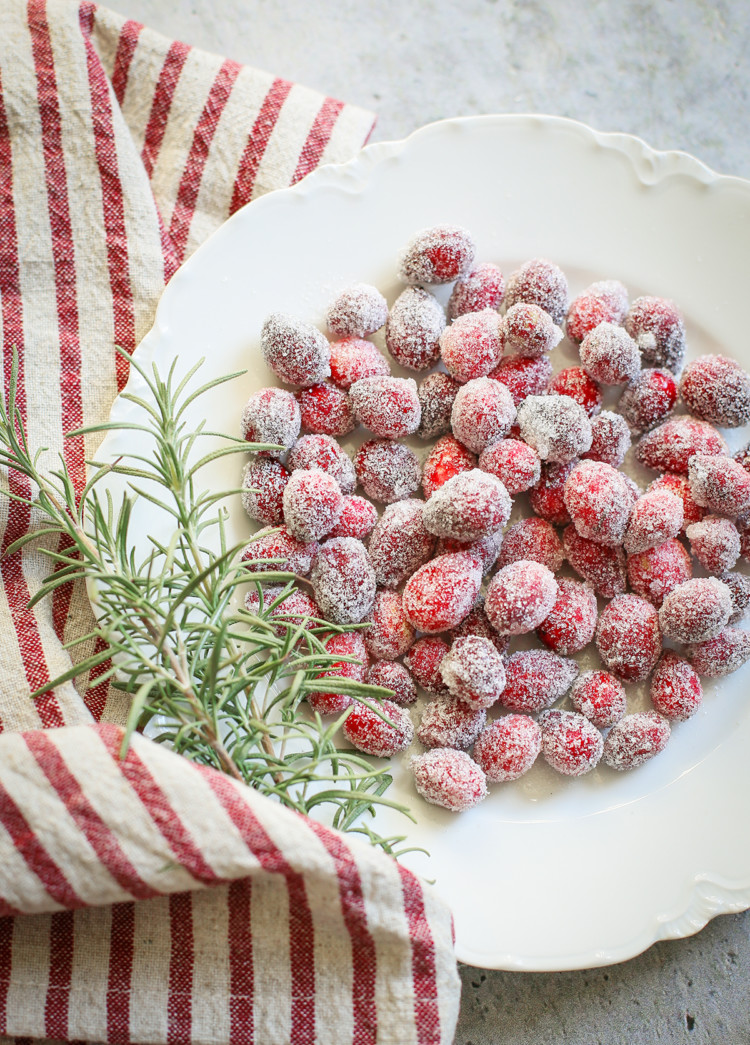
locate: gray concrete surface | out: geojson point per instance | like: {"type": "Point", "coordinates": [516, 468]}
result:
{"type": "Point", "coordinates": [675, 73]}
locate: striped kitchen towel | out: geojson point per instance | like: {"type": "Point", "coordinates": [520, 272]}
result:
{"type": "Point", "coordinates": [149, 900]}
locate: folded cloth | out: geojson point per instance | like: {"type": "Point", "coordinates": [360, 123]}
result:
{"type": "Point", "coordinates": [150, 900]}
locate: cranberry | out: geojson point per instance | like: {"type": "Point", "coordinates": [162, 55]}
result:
{"type": "Point", "coordinates": [277, 550]}
{"type": "Point", "coordinates": [610, 439]}
{"type": "Point", "coordinates": [436, 395]}
{"type": "Point", "coordinates": [533, 539]}
{"type": "Point", "coordinates": [539, 282]}
{"type": "Point", "coordinates": [449, 778]}
{"type": "Point", "coordinates": [381, 735]}
{"type": "Point", "coordinates": [473, 671]}
{"type": "Point", "coordinates": [390, 634]}
{"type": "Point", "coordinates": [388, 406]}
{"type": "Point", "coordinates": [610, 355]}
{"type": "Point", "coordinates": [722, 655]}
{"type": "Point", "coordinates": [356, 518]}
{"type": "Point", "coordinates": [635, 739]}
{"type": "Point", "coordinates": [424, 659]}
{"type": "Point", "coordinates": [357, 311]}
{"type": "Point", "coordinates": [523, 376]}
{"type": "Point", "coordinates": [514, 463]}
{"type": "Point", "coordinates": [648, 399]}
{"type": "Point", "coordinates": [393, 676]}
{"type": "Point", "coordinates": [696, 610]}
{"type": "Point", "coordinates": [658, 330]}
{"type": "Point", "coordinates": [669, 447]}
{"type": "Point", "coordinates": [400, 543]}
{"type": "Point", "coordinates": [447, 459]}
{"type": "Point", "coordinates": [323, 452]}
{"type": "Point", "coordinates": [715, 542]}
{"type": "Point", "coordinates": [547, 498]}
{"type": "Point", "coordinates": [484, 287]}
{"type": "Point", "coordinates": [603, 567]}
{"type": "Point", "coordinates": [469, 506]}
{"type": "Point", "coordinates": [440, 254]}
{"type": "Point", "coordinates": [271, 415]}
{"type": "Point", "coordinates": [600, 697]}
{"type": "Point", "coordinates": [719, 484]}
{"type": "Point", "coordinates": [536, 678]}
{"type": "Point", "coordinates": [414, 326]}
{"type": "Point", "coordinates": [602, 302]}
{"type": "Point", "coordinates": [325, 410]}
{"type": "Point", "coordinates": [574, 382]}
{"type": "Point", "coordinates": [570, 624]}
{"type": "Point", "coordinates": [529, 331]}
{"type": "Point", "coordinates": [483, 413]}
{"type": "Point", "coordinates": [656, 517]}
{"type": "Point", "coordinates": [628, 637]}
{"type": "Point", "coordinates": [263, 483]}
{"type": "Point", "coordinates": [717, 389]}
{"type": "Point", "coordinates": [508, 747]}
{"type": "Point", "coordinates": [520, 596]}
{"type": "Point", "coordinates": [353, 359]}
{"type": "Point", "coordinates": [570, 743]}
{"type": "Point", "coordinates": [387, 471]}
{"type": "Point", "coordinates": [656, 571]}
{"type": "Point", "coordinates": [600, 502]}
{"type": "Point", "coordinates": [442, 592]}
{"type": "Point", "coordinates": [312, 504]}
{"type": "Point", "coordinates": [449, 722]}
{"type": "Point", "coordinates": [676, 690]}
{"type": "Point", "coordinates": [472, 345]}
{"type": "Point", "coordinates": [349, 644]}
{"type": "Point", "coordinates": [679, 486]}
{"type": "Point", "coordinates": [296, 352]}
{"type": "Point", "coordinates": [343, 580]}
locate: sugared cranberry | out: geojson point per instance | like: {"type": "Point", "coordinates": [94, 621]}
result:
{"type": "Point", "coordinates": [449, 778]}
{"type": "Point", "coordinates": [721, 655]}
{"type": "Point", "coordinates": [414, 326]}
{"type": "Point", "coordinates": [603, 302]}
{"type": "Point", "coordinates": [439, 254]}
{"type": "Point", "coordinates": [356, 518]}
{"type": "Point", "coordinates": [473, 671]}
{"type": "Point", "coordinates": [696, 610]}
{"type": "Point", "coordinates": [349, 644]}
{"type": "Point", "coordinates": [657, 328]}
{"type": "Point", "coordinates": [441, 593]}
{"type": "Point", "coordinates": [371, 733]}
{"type": "Point", "coordinates": [571, 744]}
{"type": "Point", "coordinates": [717, 389]}
{"type": "Point", "coordinates": [271, 415]}
{"type": "Point", "coordinates": [325, 410]}
{"type": "Point", "coordinates": [719, 484]}
{"type": "Point", "coordinates": [679, 486]}
{"type": "Point", "coordinates": [535, 539]}
{"type": "Point", "coordinates": [603, 567]}
{"type": "Point", "coordinates": [277, 550]}
{"type": "Point", "coordinates": [472, 345]}
{"type": "Point", "coordinates": [520, 596]}
{"type": "Point", "coordinates": [400, 543]}
{"type": "Point", "coordinates": [715, 542]}
{"type": "Point", "coordinates": [312, 503]}
{"type": "Point", "coordinates": [449, 722]}
{"type": "Point", "coordinates": [514, 463]}
{"type": "Point", "coordinates": [655, 572]}
{"type": "Point", "coordinates": [467, 507]}
{"type": "Point", "coordinates": [390, 634]}
{"type": "Point", "coordinates": [323, 452]}
{"type": "Point", "coordinates": [536, 678]}
{"type": "Point", "coordinates": [484, 549]}
{"type": "Point", "coordinates": [547, 497]}
{"type": "Point", "coordinates": [635, 739]}
{"type": "Point", "coordinates": [388, 406]}
{"type": "Point", "coordinates": [424, 659]}
{"type": "Point", "coordinates": [523, 376]}
{"type": "Point", "coordinates": [343, 580]}
{"type": "Point", "coordinates": [297, 352]}
{"type": "Point", "coordinates": [610, 439]}
{"type": "Point", "coordinates": [556, 426]}
{"type": "Point", "coordinates": [539, 282]}
{"type": "Point", "coordinates": [447, 459]}
{"type": "Point", "coordinates": [353, 359]}
{"type": "Point", "coordinates": [669, 447]}
{"type": "Point", "coordinates": [508, 747]}
{"type": "Point", "coordinates": [610, 355]}
{"type": "Point", "coordinates": [483, 413]}
{"type": "Point", "coordinates": [529, 331]}
{"type": "Point", "coordinates": [484, 287]}
{"type": "Point", "coordinates": [676, 690]}
{"type": "Point", "coordinates": [477, 623]}
{"type": "Point", "coordinates": [628, 637]}
{"type": "Point", "coordinates": [739, 590]}
{"type": "Point", "coordinates": [573, 381]}
{"type": "Point", "coordinates": [357, 311]}
{"type": "Point", "coordinates": [436, 395]}
{"type": "Point", "coordinates": [600, 697]}
{"type": "Point", "coordinates": [648, 399]}
{"type": "Point", "coordinates": [600, 501]}
{"type": "Point", "coordinates": [387, 471]}
{"type": "Point", "coordinates": [570, 624]}
{"type": "Point", "coordinates": [656, 517]}
{"type": "Point", "coordinates": [263, 483]}
{"type": "Point", "coordinates": [393, 676]}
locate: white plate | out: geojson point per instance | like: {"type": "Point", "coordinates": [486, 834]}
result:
{"type": "Point", "coordinates": [547, 874]}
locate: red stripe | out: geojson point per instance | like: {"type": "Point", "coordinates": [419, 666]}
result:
{"type": "Point", "coordinates": [34, 854]}
{"type": "Point", "coordinates": [364, 958]}
{"type": "Point", "coordinates": [6, 967]}
{"type": "Point", "coordinates": [101, 838]}
{"type": "Point", "coordinates": [11, 567]}
{"type": "Point", "coordinates": [60, 973]}
{"type": "Point", "coordinates": [126, 46]}
{"type": "Point", "coordinates": [424, 975]}
{"type": "Point", "coordinates": [121, 951]}
{"type": "Point", "coordinates": [301, 928]}
{"type": "Point", "coordinates": [187, 194]}
{"type": "Point", "coordinates": [241, 977]}
{"type": "Point", "coordinates": [318, 138]}
{"type": "Point", "coordinates": [165, 88]}
{"type": "Point", "coordinates": [95, 698]}
{"type": "Point", "coordinates": [257, 142]}
{"type": "Point", "coordinates": [181, 966]}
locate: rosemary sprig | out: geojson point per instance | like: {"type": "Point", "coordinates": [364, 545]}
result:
{"type": "Point", "coordinates": [223, 686]}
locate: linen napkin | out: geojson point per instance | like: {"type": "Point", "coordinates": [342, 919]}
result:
{"type": "Point", "coordinates": [150, 900]}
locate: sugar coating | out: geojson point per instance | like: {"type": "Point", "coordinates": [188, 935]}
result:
{"type": "Point", "coordinates": [720, 484]}
{"type": "Point", "coordinates": [357, 518]}
{"type": "Point", "coordinates": [447, 459]}
{"type": "Point", "coordinates": [354, 358]}
{"type": "Point", "coordinates": [529, 331]}
{"type": "Point", "coordinates": [600, 697]}
{"type": "Point", "coordinates": [696, 610]}
{"type": "Point", "coordinates": [534, 539]}
{"type": "Point", "coordinates": [523, 376]}
{"type": "Point", "coordinates": [539, 282]}
{"type": "Point", "coordinates": [312, 503]}
{"type": "Point", "coordinates": [292, 555]}
{"type": "Point", "coordinates": [442, 592]}
{"type": "Point", "coordinates": [393, 676]}
{"type": "Point", "coordinates": [449, 722]}
{"type": "Point", "coordinates": [600, 501]}
{"type": "Point", "coordinates": [325, 410]}
{"type": "Point", "coordinates": [721, 655]}
{"type": "Point", "coordinates": [676, 690]}
{"type": "Point", "coordinates": [472, 345]}
{"type": "Point", "coordinates": [370, 733]}
{"type": "Point", "coordinates": [439, 254]}
{"type": "Point", "coordinates": [520, 596]}
{"type": "Point", "coordinates": [343, 645]}
{"type": "Point", "coordinates": [573, 381]}
{"type": "Point", "coordinates": [680, 487]}
{"type": "Point", "coordinates": [357, 311]}
{"type": "Point", "coordinates": [271, 415]}
{"type": "Point", "coordinates": [484, 287]}
{"type": "Point", "coordinates": [547, 497]}
{"type": "Point", "coordinates": [482, 413]}
{"type": "Point", "coordinates": [449, 778]}
{"type": "Point", "coordinates": [297, 352]}
{"type": "Point", "coordinates": [656, 571]}
{"type": "Point", "coordinates": [508, 747]}
{"type": "Point", "coordinates": [669, 447]}
{"type": "Point", "coordinates": [343, 580]}
{"type": "Point", "coordinates": [570, 624]}
{"type": "Point", "coordinates": [605, 301]}
{"type": "Point", "coordinates": [424, 659]}
{"type": "Point", "coordinates": [387, 471]}
{"type": "Point", "coordinates": [390, 634]}
{"type": "Point", "coordinates": [602, 566]}
{"type": "Point", "coordinates": [628, 637]}
{"type": "Point", "coordinates": [610, 355]}
{"type": "Point", "coordinates": [635, 739]}
{"type": "Point", "coordinates": [477, 623]}
{"type": "Point", "coordinates": [467, 507]}
{"type": "Point", "coordinates": [263, 482]}
{"type": "Point", "coordinates": [388, 406]}
{"type": "Point", "coordinates": [717, 389]}
{"type": "Point", "coordinates": [260, 597]}
{"type": "Point", "coordinates": [739, 590]}
{"type": "Point", "coordinates": [571, 744]}
{"type": "Point", "coordinates": [413, 330]}
{"type": "Point", "coordinates": [516, 464]}
{"type": "Point", "coordinates": [556, 426]}
{"type": "Point", "coordinates": [648, 399]}
{"type": "Point", "coordinates": [324, 453]}
{"type": "Point", "coordinates": [715, 542]}
{"type": "Point", "coordinates": [485, 549]}
{"type": "Point", "coordinates": [473, 671]}
{"type": "Point", "coordinates": [610, 439]}
{"type": "Point", "coordinates": [656, 517]}
{"type": "Point", "coordinates": [436, 395]}
{"type": "Point", "coordinates": [400, 543]}
{"type": "Point", "coordinates": [536, 678]}
{"type": "Point", "coordinates": [657, 328]}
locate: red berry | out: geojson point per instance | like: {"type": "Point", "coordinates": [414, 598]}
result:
{"type": "Point", "coordinates": [720, 484]}
{"type": "Point", "coordinates": [414, 326]}
{"type": "Point", "coordinates": [473, 671]}
{"type": "Point", "coordinates": [600, 501]}
{"type": "Point", "coordinates": [533, 539]}
{"type": "Point", "coordinates": [628, 637]}
{"type": "Point", "coordinates": [467, 507]}
{"type": "Point", "coordinates": [263, 483]}
{"type": "Point", "coordinates": [424, 659]}
{"type": "Point", "coordinates": [485, 549]}
{"type": "Point", "coordinates": [483, 413]}
{"type": "Point", "coordinates": [715, 543]}
{"type": "Point", "coordinates": [271, 415]}
{"type": "Point", "coordinates": [648, 399]}
{"type": "Point", "coordinates": [349, 644]}
{"type": "Point", "coordinates": [323, 452]}
{"type": "Point", "coordinates": [676, 690]}
{"type": "Point", "coordinates": [536, 678]}
{"type": "Point", "coordinates": [356, 518]}
{"type": "Point", "coordinates": [442, 592]}
{"type": "Point", "coordinates": [390, 634]}
{"type": "Point", "coordinates": [721, 655]}
{"type": "Point", "coordinates": [669, 447]}
{"type": "Point", "coordinates": [657, 327]}
{"type": "Point", "coordinates": [436, 395]}
{"type": "Point", "coordinates": [679, 486]}
{"type": "Point", "coordinates": [610, 439]}
{"type": "Point", "coordinates": [393, 676]}
{"type": "Point", "coordinates": [635, 739]}
{"type": "Point", "coordinates": [371, 733]}
{"type": "Point", "coordinates": [696, 610]}
{"type": "Point", "coordinates": [610, 355]}
{"type": "Point", "coordinates": [388, 406]}
{"type": "Point", "coordinates": [439, 254]}
{"type": "Point", "coordinates": [602, 302]}
{"type": "Point", "coordinates": [296, 352]}
{"type": "Point", "coordinates": [353, 359]}
{"type": "Point", "coordinates": [400, 543]}
{"type": "Point", "coordinates": [448, 722]}
{"type": "Point", "coordinates": [523, 376]}
{"type": "Point", "coordinates": [357, 311]}
{"type": "Point", "coordinates": [547, 498]}
{"type": "Point", "coordinates": [603, 567]}
{"type": "Point", "coordinates": [656, 517]}
{"type": "Point", "coordinates": [472, 345]}
{"type": "Point", "coordinates": [540, 282]}
{"type": "Point", "coordinates": [529, 331]}
{"type": "Point", "coordinates": [570, 624]}
{"type": "Point", "coordinates": [482, 288]}
{"type": "Point", "coordinates": [477, 623]}
{"type": "Point", "coordinates": [277, 550]}
{"type": "Point", "coordinates": [570, 743]}
{"type": "Point", "coordinates": [387, 471]}
{"type": "Point", "coordinates": [556, 426]}
{"type": "Point", "coordinates": [449, 778]}
{"type": "Point", "coordinates": [600, 697]}
{"type": "Point", "coordinates": [312, 504]}
{"type": "Point", "coordinates": [508, 747]}
{"type": "Point", "coordinates": [447, 459]}
{"type": "Point", "coordinates": [655, 572]}
{"type": "Point", "coordinates": [520, 596]}
{"type": "Point", "coordinates": [739, 590]}
{"type": "Point", "coordinates": [514, 463]}
{"type": "Point", "coordinates": [717, 389]}
{"type": "Point", "coordinates": [574, 382]}
{"type": "Point", "coordinates": [343, 580]}
{"type": "Point", "coordinates": [325, 410]}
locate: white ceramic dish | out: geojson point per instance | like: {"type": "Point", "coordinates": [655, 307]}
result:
{"type": "Point", "coordinates": [547, 874]}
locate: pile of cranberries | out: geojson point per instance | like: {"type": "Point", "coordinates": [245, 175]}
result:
{"type": "Point", "coordinates": [415, 543]}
